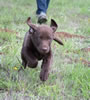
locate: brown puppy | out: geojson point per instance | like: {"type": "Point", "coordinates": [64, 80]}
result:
{"type": "Point", "coordinates": [37, 46]}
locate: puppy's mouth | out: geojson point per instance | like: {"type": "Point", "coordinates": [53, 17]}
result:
{"type": "Point", "coordinates": [44, 51]}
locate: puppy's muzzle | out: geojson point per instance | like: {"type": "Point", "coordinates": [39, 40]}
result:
{"type": "Point", "coordinates": [45, 50]}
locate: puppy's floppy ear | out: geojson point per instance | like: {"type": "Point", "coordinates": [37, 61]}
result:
{"type": "Point", "coordinates": [33, 27]}
{"type": "Point", "coordinates": [58, 41]}
{"type": "Point", "coordinates": [53, 25]}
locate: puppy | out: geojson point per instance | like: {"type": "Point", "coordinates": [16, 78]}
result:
{"type": "Point", "coordinates": [37, 46]}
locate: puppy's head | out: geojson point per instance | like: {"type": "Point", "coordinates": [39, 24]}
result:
{"type": "Point", "coordinates": [42, 35]}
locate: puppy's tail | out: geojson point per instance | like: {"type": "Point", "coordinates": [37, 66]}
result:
{"type": "Point", "coordinates": [58, 41]}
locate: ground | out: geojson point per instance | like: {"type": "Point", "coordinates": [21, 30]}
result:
{"type": "Point", "coordinates": [70, 72]}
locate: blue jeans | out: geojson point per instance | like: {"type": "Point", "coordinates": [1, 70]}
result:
{"type": "Point", "coordinates": [42, 6]}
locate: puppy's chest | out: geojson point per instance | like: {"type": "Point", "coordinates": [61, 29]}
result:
{"type": "Point", "coordinates": [38, 55]}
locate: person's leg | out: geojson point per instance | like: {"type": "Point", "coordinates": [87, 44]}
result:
{"type": "Point", "coordinates": [47, 1]}
{"type": "Point", "coordinates": [42, 6]}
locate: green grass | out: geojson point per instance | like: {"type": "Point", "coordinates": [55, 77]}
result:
{"type": "Point", "coordinates": [69, 78]}
{"type": "Point", "coordinates": [77, 78]}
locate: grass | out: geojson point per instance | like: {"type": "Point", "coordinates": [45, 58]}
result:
{"type": "Point", "coordinates": [70, 77]}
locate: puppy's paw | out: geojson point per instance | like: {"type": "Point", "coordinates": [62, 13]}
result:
{"type": "Point", "coordinates": [44, 75]}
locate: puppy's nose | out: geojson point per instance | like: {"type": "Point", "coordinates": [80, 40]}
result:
{"type": "Point", "coordinates": [44, 49]}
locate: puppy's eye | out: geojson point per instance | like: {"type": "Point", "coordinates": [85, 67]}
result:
{"type": "Point", "coordinates": [41, 37]}
{"type": "Point", "coordinates": [49, 38]}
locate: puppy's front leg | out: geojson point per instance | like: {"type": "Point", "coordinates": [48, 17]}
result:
{"type": "Point", "coordinates": [45, 68]}
{"type": "Point", "coordinates": [28, 59]}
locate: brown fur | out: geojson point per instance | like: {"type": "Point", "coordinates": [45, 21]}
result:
{"type": "Point", "coordinates": [37, 46]}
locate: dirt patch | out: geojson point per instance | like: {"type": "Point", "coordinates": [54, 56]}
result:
{"type": "Point", "coordinates": [8, 30]}
{"type": "Point", "coordinates": [68, 35]}
{"type": "Point", "coordinates": [87, 49]}
{"type": "Point", "coordinates": [85, 62]}
{"type": "Point", "coordinates": [1, 53]}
